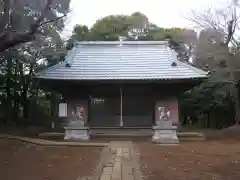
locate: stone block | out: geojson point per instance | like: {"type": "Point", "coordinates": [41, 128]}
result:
{"type": "Point", "coordinates": [76, 123]}
{"type": "Point", "coordinates": [162, 123]}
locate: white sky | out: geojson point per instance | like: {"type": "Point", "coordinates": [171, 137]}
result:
{"type": "Point", "coordinates": [164, 13]}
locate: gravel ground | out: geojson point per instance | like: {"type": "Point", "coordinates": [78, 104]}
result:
{"type": "Point", "coordinates": [31, 162]}
{"type": "Point", "coordinates": [208, 160]}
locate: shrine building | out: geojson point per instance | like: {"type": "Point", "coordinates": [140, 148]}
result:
{"type": "Point", "coordinates": [121, 83]}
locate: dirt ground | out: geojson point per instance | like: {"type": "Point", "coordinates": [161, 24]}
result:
{"type": "Point", "coordinates": [218, 160]}
{"type": "Point", "coordinates": [31, 162]}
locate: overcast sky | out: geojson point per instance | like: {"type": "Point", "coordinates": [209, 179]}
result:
{"type": "Point", "coordinates": [164, 13]}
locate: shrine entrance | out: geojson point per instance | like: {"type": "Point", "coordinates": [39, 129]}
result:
{"type": "Point", "coordinates": [138, 111]}
{"type": "Point", "coordinates": [104, 111]}
{"type": "Point", "coordinates": [124, 110]}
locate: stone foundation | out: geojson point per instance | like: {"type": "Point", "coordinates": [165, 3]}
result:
{"type": "Point", "coordinates": [72, 133]}
{"type": "Point", "coordinates": [165, 135]}
{"type": "Point", "coordinates": [76, 131]}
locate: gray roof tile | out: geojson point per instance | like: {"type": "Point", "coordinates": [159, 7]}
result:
{"type": "Point", "coordinates": [127, 60]}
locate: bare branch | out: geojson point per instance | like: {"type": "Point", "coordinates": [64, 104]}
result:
{"type": "Point", "coordinates": [6, 14]}
{"type": "Point", "coordinates": [204, 19]}
{"type": "Point", "coordinates": [222, 20]}
{"type": "Point", "coordinates": [53, 20]}
{"type": "Point", "coordinates": [30, 35]}
{"type": "Point", "coordinates": [44, 12]}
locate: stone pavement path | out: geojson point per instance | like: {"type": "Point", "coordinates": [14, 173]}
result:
{"type": "Point", "coordinates": [120, 162]}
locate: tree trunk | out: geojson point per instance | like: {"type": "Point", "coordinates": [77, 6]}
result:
{"type": "Point", "coordinates": [25, 104]}
{"type": "Point", "coordinates": [15, 95]}
{"type": "Point", "coordinates": [25, 82]}
{"type": "Point", "coordinates": [237, 109]}
{"type": "Point", "coordinates": [15, 107]}
{"type": "Point", "coordinates": [234, 80]}
{"type": "Point", "coordinates": [8, 112]}
{"type": "Point", "coordinates": [53, 107]}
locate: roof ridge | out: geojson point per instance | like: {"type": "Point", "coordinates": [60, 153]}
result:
{"type": "Point", "coordinates": [120, 42]}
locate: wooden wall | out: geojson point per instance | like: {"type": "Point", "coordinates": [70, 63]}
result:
{"type": "Point", "coordinates": [140, 94]}
{"type": "Point", "coordinates": [137, 111]}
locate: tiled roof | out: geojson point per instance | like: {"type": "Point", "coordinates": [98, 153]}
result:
{"type": "Point", "coordinates": [126, 60]}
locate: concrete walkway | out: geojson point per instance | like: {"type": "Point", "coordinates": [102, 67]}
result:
{"type": "Point", "coordinates": [119, 162]}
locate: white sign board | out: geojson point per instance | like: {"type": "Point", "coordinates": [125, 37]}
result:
{"type": "Point", "coordinates": [62, 112]}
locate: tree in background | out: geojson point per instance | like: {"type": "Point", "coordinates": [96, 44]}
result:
{"type": "Point", "coordinates": [114, 27]}
{"type": "Point", "coordinates": [22, 21]}
{"type": "Point", "coordinates": [130, 27]}
{"type": "Point", "coordinates": [81, 33]}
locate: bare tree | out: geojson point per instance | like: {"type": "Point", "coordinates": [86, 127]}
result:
{"type": "Point", "coordinates": [223, 21]}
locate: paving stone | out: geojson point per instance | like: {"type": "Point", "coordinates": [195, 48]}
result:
{"type": "Point", "coordinates": [113, 150]}
{"type": "Point", "coordinates": [109, 164]}
{"type": "Point", "coordinates": [117, 165]}
{"type": "Point", "coordinates": [116, 178]}
{"type": "Point", "coordinates": [124, 162]}
{"type": "Point", "coordinates": [119, 152]}
{"type": "Point", "coordinates": [126, 155]}
{"type": "Point", "coordinates": [128, 177]}
{"type": "Point", "coordinates": [107, 170]}
{"type": "Point", "coordinates": [125, 150]}
{"type": "Point", "coordinates": [116, 174]}
{"type": "Point", "coordinates": [127, 170]}
{"type": "Point", "coordinates": [105, 177]}
{"type": "Point", "coordinates": [117, 159]}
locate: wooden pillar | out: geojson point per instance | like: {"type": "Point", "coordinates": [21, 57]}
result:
{"type": "Point", "coordinates": [121, 108]}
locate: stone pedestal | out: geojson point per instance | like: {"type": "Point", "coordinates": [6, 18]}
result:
{"type": "Point", "coordinates": [165, 133]}
{"type": "Point", "coordinates": [76, 131]}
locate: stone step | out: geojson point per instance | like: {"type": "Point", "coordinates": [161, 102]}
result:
{"type": "Point", "coordinates": [120, 138]}
{"type": "Point", "coordinates": [191, 136]}
{"type": "Point", "coordinates": [120, 133]}
{"type": "Point", "coordinates": [123, 131]}
{"type": "Point", "coordinates": [126, 135]}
